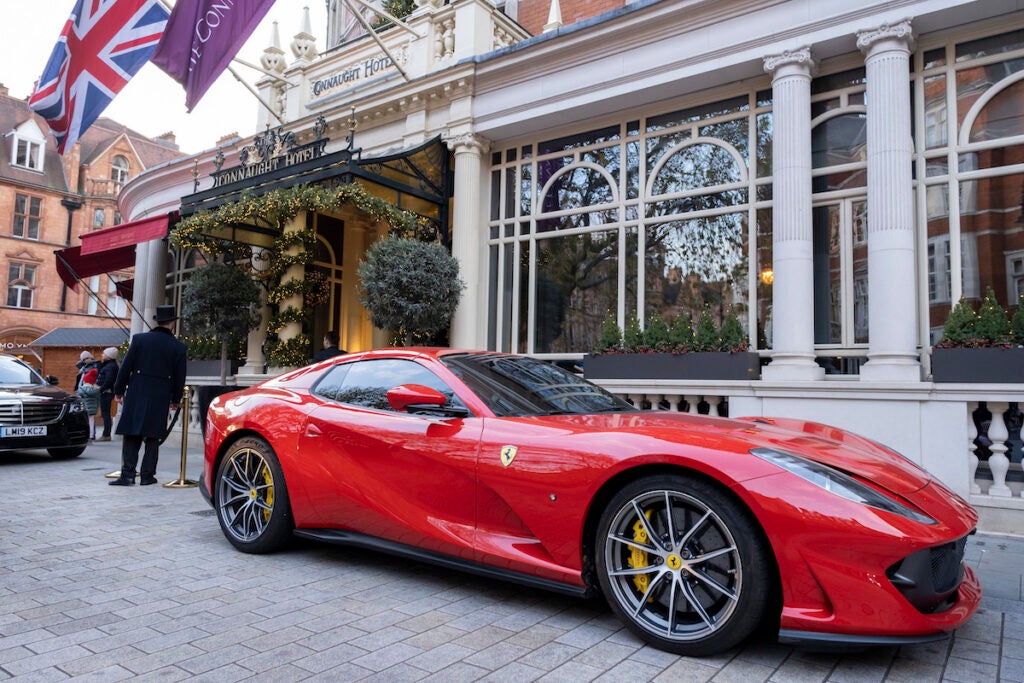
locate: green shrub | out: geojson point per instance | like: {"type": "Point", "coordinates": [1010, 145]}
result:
{"type": "Point", "coordinates": [656, 336]}
{"type": "Point", "coordinates": [409, 286]}
{"type": "Point", "coordinates": [991, 327]}
{"type": "Point", "coordinates": [959, 328]}
{"type": "Point", "coordinates": [681, 332]}
{"type": "Point", "coordinates": [220, 302]}
{"type": "Point", "coordinates": [706, 336]}
{"type": "Point", "coordinates": [1017, 323]}
{"type": "Point", "coordinates": [611, 335]}
{"type": "Point", "coordinates": [731, 336]}
{"type": "Point", "coordinates": [633, 337]}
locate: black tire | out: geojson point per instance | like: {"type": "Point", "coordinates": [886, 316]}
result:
{"type": "Point", "coordinates": [251, 498]}
{"type": "Point", "coordinates": [694, 582]}
{"type": "Point", "coordinates": [66, 452]}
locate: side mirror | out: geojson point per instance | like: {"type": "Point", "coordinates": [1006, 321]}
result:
{"type": "Point", "coordinates": [416, 398]}
{"type": "Point", "coordinates": [406, 396]}
{"type": "Point", "coordinates": [52, 379]}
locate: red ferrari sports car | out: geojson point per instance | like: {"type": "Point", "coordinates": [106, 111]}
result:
{"type": "Point", "coordinates": [696, 530]}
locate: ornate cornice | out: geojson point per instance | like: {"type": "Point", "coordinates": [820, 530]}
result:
{"type": "Point", "coordinates": [900, 30]}
{"type": "Point", "coordinates": [799, 57]}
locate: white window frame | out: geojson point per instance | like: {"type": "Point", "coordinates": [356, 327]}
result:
{"type": "Point", "coordinates": [119, 169]}
{"type": "Point", "coordinates": [23, 285]}
{"type": "Point", "coordinates": [28, 147]}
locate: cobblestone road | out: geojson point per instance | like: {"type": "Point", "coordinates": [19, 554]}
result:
{"type": "Point", "coordinates": [102, 583]}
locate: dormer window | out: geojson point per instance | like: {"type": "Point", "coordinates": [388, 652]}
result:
{"type": "Point", "coordinates": [119, 170]}
{"type": "Point", "coordinates": [27, 146]}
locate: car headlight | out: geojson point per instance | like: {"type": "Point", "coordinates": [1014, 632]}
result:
{"type": "Point", "coordinates": [840, 484]}
{"type": "Point", "coordinates": [77, 405]}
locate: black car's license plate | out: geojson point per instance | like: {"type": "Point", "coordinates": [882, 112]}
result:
{"type": "Point", "coordinates": [23, 430]}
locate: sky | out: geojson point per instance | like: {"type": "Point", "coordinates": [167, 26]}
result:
{"type": "Point", "coordinates": [152, 103]}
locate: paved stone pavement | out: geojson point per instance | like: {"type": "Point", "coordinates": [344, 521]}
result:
{"type": "Point", "coordinates": [101, 583]}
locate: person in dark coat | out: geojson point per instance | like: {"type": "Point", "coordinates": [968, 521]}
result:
{"type": "Point", "coordinates": [150, 383]}
{"type": "Point", "coordinates": [105, 381]}
{"type": "Point", "coordinates": [330, 349]}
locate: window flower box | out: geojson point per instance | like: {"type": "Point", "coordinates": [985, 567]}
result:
{"type": "Point", "coordinates": [693, 365]}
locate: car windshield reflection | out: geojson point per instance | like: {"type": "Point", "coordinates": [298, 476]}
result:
{"type": "Point", "coordinates": [517, 385]}
{"type": "Point", "coordinates": [16, 372]}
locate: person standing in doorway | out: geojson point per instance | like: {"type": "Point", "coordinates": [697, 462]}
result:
{"type": "Point", "coordinates": [149, 383]}
{"type": "Point", "coordinates": [330, 349]}
{"type": "Point", "coordinates": [105, 381]}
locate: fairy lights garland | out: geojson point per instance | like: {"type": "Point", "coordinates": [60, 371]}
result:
{"type": "Point", "coordinates": [275, 210]}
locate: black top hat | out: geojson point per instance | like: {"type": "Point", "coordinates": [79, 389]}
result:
{"type": "Point", "coordinates": [165, 314]}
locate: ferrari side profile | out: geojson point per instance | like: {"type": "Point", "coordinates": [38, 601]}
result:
{"type": "Point", "coordinates": [696, 530]}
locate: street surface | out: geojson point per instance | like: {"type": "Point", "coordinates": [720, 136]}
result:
{"type": "Point", "coordinates": [103, 583]}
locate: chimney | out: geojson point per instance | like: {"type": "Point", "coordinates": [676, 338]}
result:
{"type": "Point", "coordinates": [229, 138]}
{"type": "Point", "coordinates": [3, 90]}
{"type": "Point", "coordinates": [168, 139]}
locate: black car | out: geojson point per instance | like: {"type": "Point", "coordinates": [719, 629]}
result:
{"type": "Point", "coordinates": [36, 414]}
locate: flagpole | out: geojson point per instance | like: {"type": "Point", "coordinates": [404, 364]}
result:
{"type": "Point", "coordinates": [376, 38]}
{"type": "Point", "coordinates": [277, 77]}
{"type": "Point", "coordinates": [255, 94]}
{"type": "Point", "coordinates": [395, 20]}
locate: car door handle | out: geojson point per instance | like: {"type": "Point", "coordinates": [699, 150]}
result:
{"type": "Point", "coordinates": [313, 430]}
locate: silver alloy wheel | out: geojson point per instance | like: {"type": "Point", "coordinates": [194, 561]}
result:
{"type": "Point", "coordinates": [673, 565]}
{"type": "Point", "coordinates": [245, 494]}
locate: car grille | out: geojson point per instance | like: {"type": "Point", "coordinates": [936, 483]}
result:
{"type": "Point", "coordinates": [929, 578]}
{"type": "Point", "coordinates": [30, 412]}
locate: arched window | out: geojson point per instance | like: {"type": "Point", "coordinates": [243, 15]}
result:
{"type": "Point", "coordinates": [119, 170]}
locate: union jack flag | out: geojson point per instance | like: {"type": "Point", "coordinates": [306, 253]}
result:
{"type": "Point", "coordinates": [104, 43]}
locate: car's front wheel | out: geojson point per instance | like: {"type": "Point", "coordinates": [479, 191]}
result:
{"type": "Point", "coordinates": [251, 498]}
{"type": "Point", "coordinates": [683, 565]}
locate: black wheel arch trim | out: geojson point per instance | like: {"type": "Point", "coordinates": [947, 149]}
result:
{"type": "Point", "coordinates": [353, 539]}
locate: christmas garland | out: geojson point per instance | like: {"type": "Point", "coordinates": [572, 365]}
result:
{"type": "Point", "coordinates": [274, 210]}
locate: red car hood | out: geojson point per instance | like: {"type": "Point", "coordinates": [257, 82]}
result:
{"type": "Point", "coordinates": [830, 446]}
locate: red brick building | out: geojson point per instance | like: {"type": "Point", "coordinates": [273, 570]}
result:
{"type": "Point", "coordinates": [46, 203]}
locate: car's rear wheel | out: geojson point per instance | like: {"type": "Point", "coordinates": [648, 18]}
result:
{"type": "Point", "coordinates": [251, 498]}
{"type": "Point", "coordinates": [66, 452]}
{"type": "Point", "coordinates": [683, 565]}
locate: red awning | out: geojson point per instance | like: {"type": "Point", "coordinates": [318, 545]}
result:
{"type": "Point", "coordinates": [125, 235]}
{"type": "Point", "coordinates": [73, 266]}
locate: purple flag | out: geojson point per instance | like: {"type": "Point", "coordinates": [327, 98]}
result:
{"type": "Point", "coordinates": [201, 37]}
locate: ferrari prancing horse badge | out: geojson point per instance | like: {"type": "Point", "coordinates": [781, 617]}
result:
{"type": "Point", "coordinates": [508, 454]}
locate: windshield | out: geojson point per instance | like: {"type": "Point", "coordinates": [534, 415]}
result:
{"type": "Point", "coordinates": [15, 371]}
{"type": "Point", "coordinates": [517, 385]}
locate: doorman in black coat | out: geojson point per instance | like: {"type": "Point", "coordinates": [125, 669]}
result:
{"type": "Point", "coordinates": [150, 383]}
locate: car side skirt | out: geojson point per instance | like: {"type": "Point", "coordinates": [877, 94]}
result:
{"type": "Point", "coordinates": [846, 640]}
{"type": "Point", "coordinates": [350, 538]}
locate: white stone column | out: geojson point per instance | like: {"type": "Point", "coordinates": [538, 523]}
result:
{"type": "Point", "coordinates": [892, 274]}
{"type": "Point", "coordinates": [255, 363]}
{"type": "Point", "coordinates": [792, 222]}
{"type": "Point", "coordinates": [469, 243]}
{"type": "Point", "coordinates": [156, 280]}
{"type": "Point", "coordinates": [139, 290]}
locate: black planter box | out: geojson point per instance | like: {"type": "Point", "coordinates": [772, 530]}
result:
{"type": "Point", "coordinates": [985, 366]}
{"type": "Point", "coordinates": [210, 368]}
{"type": "Point", "coordinates": [696, 365]}
{"type": "Point", "coordinates": [205, 395]}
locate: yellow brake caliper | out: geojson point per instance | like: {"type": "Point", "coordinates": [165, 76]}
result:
{"type": "Point", "coordinates": [269, 497]}
{"type": "Point", "coordinates": [637, 557]}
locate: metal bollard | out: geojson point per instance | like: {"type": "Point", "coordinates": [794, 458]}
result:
{"type": "Point", "coordinates": [181, 482]}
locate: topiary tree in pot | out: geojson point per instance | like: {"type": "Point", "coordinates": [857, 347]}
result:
{"type": "Point", "coordinates": [220, 301]}
{"type": "Point", "coordinates": [410, 287]}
